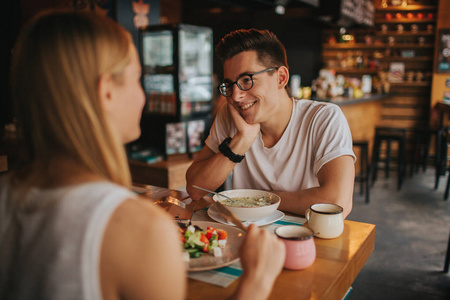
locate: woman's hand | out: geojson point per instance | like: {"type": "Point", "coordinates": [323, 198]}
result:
{"type": "Point", "coordinates": [262, 258]}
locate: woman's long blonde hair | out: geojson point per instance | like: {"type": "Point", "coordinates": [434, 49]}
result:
{"type": "Point", "coordinates": [57, 64]}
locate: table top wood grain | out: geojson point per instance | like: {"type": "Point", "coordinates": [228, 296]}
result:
{"type": "Point", "coordinates": [338, 261]}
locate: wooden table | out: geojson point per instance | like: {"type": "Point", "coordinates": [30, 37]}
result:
{"type": "Point", "coordinates": [155, 193]}
{"type": "Point", "coordinates": [338, 262]}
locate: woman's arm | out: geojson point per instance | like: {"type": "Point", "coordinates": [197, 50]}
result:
{"type": "Point", "coordinates": [141, 255]}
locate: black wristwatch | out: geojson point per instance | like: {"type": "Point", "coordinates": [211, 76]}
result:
{"type": "Point", "coordinates": [225, 149]}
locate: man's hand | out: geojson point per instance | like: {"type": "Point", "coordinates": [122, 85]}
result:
{"type": "Point", "coordinates": [246, 131]}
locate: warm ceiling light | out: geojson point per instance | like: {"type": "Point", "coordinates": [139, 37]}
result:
{"type": "Point", "coordinates": [215, 10]}
{"type": "Point", "coordinates": [347, 37]}
{"type": "Point", "coordinates": [280, 9]}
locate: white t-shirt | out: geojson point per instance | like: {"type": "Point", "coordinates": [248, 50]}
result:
{"type": "Point", "coordinates": [316, 134]}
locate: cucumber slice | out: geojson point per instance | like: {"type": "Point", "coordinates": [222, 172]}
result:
{"type": "Point", "coordinates": [199, 245]}
{"type": "Point", "coordinates": [194, 253]}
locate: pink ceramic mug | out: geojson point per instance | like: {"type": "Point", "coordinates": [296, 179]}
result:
{"type": "Point", "coordinates": [300, 247]}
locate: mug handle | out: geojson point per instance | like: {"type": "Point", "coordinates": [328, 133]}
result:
{"type": "Point", "coordinates": [307, 214]}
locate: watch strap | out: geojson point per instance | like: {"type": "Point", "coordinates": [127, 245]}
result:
{"type": "Point", "coordinates": [225, 149]}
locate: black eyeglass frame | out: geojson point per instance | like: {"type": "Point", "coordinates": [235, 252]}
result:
{"type": "Point", "coordinates": [223, 84]}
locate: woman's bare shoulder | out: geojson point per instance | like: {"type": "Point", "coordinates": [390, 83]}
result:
{"type": "Point", "coordinates": [141, 253]}
{"type": "Point", "coordinates": [139, 210]}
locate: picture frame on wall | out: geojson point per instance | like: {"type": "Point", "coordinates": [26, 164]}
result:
{"type": "Point", "coordinates": [176, 138]}
{"type": "Point", "coordinates": [195, 131]}
{"type": "Point", "coordinates": [443, 55]}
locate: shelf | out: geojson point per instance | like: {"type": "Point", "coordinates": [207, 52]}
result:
{"type": "Point", "coordinates": [405, 33]}
{"type": "Point", "coordinates": [412, 83]}
{"type": "Point", "coordinates": [407, 8]}
{"type": "Point", "coordinates": [385, 54]}
{"type": "Point", "coordinates": [348, 46]}
{"type": "Point", "coordinates": [407, 59]}
{"type": "Point", "coordinates": [404, 20]}
{"type": "Point", "coordinates": [355, 71]}
{"type": "Point", "coordinates": [374, 46]}
{"type": "Point", "coordinates": [410, 46]}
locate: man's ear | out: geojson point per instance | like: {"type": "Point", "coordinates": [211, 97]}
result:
{"type": "Point", "coordinates": [105, 91]}
{"type": "Point", "coordinates": [283, 77]}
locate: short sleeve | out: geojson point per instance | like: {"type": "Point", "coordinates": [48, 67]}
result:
{"type": "Point", "coordinates": [332, 136]}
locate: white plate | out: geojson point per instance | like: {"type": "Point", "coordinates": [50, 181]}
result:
{"type": "Point", "coordinates": [275, 216]}
{"type": "Point", "coordinates": [230, 254]}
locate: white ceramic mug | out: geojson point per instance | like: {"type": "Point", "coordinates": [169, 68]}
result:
{"type": "Point", "coordinates": [326, 220]}
{"type": "Point", "coordinates": [300, 247]}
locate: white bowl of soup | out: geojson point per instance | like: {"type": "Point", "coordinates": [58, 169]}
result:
{"type": "Point", "coordinates": [249, 205]}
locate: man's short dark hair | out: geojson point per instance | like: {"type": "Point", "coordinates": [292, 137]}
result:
{"type": "Point", "coordinates": [270, 51]}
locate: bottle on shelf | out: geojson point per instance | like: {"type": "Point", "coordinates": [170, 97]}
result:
{"type": "Point", "coordinates": [359, 60]}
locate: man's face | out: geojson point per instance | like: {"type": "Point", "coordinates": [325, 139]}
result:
{"type": "Point", "coordinates": [259, 103]}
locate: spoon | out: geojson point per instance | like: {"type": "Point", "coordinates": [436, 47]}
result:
{"type": "Point", "coordinates": [212, 192]}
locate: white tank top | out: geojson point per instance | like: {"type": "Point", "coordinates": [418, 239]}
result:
{"type": "Point", "coordinates": [58, 255]}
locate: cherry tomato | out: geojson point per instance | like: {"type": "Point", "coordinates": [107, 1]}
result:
{"type": "Point", "coordinates": [222, 234]}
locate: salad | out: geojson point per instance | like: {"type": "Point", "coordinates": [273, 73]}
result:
{"type": "Point", "coordinates": [197, 241]}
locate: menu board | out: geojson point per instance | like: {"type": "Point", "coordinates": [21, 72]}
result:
{"type": "Point", "coordinates": [347, 12]}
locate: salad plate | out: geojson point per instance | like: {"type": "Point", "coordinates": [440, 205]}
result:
{"type": "Point", "coordinates": [230, 254]}
{"type": "Point", "coordinates": [214, 214]}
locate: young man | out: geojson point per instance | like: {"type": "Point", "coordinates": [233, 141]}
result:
{"type": "Point", "coordinates": [298, 149]}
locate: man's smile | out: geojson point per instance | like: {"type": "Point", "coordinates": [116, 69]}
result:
{"type": "Point", "coordinates": [246, 106]}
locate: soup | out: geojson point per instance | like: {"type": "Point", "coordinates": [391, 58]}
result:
{"type": "Point", "coordinates": [247, 201]}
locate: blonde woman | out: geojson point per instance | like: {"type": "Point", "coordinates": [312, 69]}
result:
{"type": "Point", "coordinates": [69, 226]}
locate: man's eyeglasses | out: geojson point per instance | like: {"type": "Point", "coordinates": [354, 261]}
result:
{"type": "Point", "coordinates": [244, 83]}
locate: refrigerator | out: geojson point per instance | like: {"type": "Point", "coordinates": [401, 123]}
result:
{"type": "Point", "coordinates": [177, 77]}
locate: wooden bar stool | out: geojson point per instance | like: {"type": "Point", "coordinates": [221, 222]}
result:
{"type": "Point", "coordinates": [442, 140]}
{"type": "Point", "coordinates": [421, 151]}
{"type": "Point", "coordinates": [447, 256]}
{"type": "Point", "coordinates": [389, 135]}
{"type": "Point", "coordinates": [363, 176]}
{"type": "Point", "coordinates": [447, 188]}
